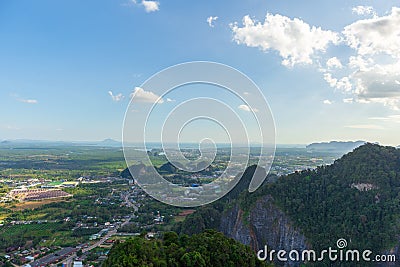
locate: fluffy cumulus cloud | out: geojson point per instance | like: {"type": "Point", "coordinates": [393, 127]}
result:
{"type": "Point", "coordinates": [363, 10]}
{"type": "Point", "coordinates": [296, 41]}
{"type": "Point", "coordinates": [117, 97]}
{"type": "Point", "coordinates": [330, 80]}
{"type": "Point", "coordinates": [375, 69]}
{"type": "Point", "coordinates": [376, 35]}
{"type": "Point", "coordinates": [370, 74]}
{"type": "Point", "coordinates": [140, 95]}
{"type": "Point", "coordinates": [211, 20]}
{"type": "Point", "coordinates": [334, 62]}
{"type": "Point", "coordinates": [343, 83]}
{"type": "Point", "coordinates": [327, 102]}
{"type": "Point", "coordinates": [150, 6]}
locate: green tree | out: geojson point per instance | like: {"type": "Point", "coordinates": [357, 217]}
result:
{"type": "Point", "coordinates": [193, 259]}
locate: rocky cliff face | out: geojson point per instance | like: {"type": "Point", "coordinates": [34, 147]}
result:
{"type": "Point", "coordinates": [263, 225]}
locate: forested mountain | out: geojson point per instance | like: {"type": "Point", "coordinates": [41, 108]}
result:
{"type": "Point", "coordinates": [356, 198]}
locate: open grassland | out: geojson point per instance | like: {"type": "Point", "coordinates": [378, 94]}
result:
{"type": "Point", "coordinates": [34, 204]}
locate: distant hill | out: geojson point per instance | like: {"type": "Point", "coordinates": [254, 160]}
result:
{"type": "Point", "coordinates": [168, 168]}
{"type": "Point", "coordinates": [244, 182]}
{"type": "Point", "coordinates": [46, 143]}
{"type": "Point", "coordinates": [109, 142]}
{"type": "Point", "coordinates": [337, 146]}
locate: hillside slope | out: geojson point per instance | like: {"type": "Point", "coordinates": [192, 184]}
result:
{"type": "Point", "coordinates": [356, 198]}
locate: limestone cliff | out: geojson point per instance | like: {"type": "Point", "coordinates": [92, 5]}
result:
{"type": "Point", "coordinates": [264, 224]}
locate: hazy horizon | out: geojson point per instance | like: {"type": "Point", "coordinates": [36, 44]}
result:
{"type": "Point", "coordinates": [183, 143]}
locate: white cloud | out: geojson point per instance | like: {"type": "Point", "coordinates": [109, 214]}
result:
{"type": "Point", "coordinates": [140, 95]}
{"type": "Point", "coordinates": [363, 10]}
{"type": "Point", "coordinates": [344, 84]}
{"type": "Point", "coordinates": [296, 41]}
{"type": "Point", "coordinates": [370, 74]}
{"type": "Point", "coordinates": [348, 100]}
{"type": "Point", "coordinates": [334, 62]}
{"type": "Point", "coordinates": [247, 108]}
{"type": "Point", "coordinates": [360, 63]}
{"type": "Point", "coordinates": [376, 82]}
{"type": "Point", "coordinates": [390, 118]}
{"type": "Point", "coordinates": [211, 20]}
{"type": "Point", "coordinates": [116, 98]}
{"type": "Point", "coordinates": [28, 101]}
{"type": "Point", "coordinates": [379, 81]}
{"type": "Point", "coordinates": [244, 107]}
{"type": "Point", "coordinates": [327, 102]}
{"type": "Point", "coordinates": [330, 80]}
{"type": "Point", "coordinates": [374, 71]}
{"type": "Point", "coordinates": [23, 100]}
{"type": "Point", "coordinates": [375, 35]}
{"type": "Point", "coordinates": [150, 6]}
{"type": "Point", "coordinates": [170, 100]}
{"type": "Point", "coordinates": [365, 126]}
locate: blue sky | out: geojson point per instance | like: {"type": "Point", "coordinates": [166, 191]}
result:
{"type": "Point", "coordinates": [329, 69]}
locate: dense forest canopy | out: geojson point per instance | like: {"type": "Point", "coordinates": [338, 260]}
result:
{"type": "Point", "coordinates": [209, 248]}
{"type": "Point", "coordinates": [356, 198]}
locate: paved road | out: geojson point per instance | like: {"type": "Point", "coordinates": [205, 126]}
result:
{"type": "Point", "coordinates": [101, 241]}
{"type": "Point", "coordinates": [70, 260]}
{"type": "Point", "coordinates": [112, 232]}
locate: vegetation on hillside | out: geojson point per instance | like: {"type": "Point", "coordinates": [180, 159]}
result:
{"type": "Point", "coordinates": [209, 248]}
{"type": "Point", "coordinates": [325, 204]}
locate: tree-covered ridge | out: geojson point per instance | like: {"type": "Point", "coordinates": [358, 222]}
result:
{"type": "Point", "coordinates": [356, 198]}
{"type": "Point", "coordinates": [209, 248]}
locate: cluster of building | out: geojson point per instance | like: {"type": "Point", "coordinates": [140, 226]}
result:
{"type": "Point", "coordinates": [36, 194]}
{"type": "Point", "coordinates": [53, 257]}
{"type": "Point", "coordinates": [26, 255]}
{"type": "Point", "coordinates": [33, 189]}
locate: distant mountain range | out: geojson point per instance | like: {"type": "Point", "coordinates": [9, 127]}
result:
{"type": "Point", "coordinates": [332, 146]}
{"type": "Point", "coordinates": [337, 146]}
{"type": "Point", "coordinates": [27, 142]}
